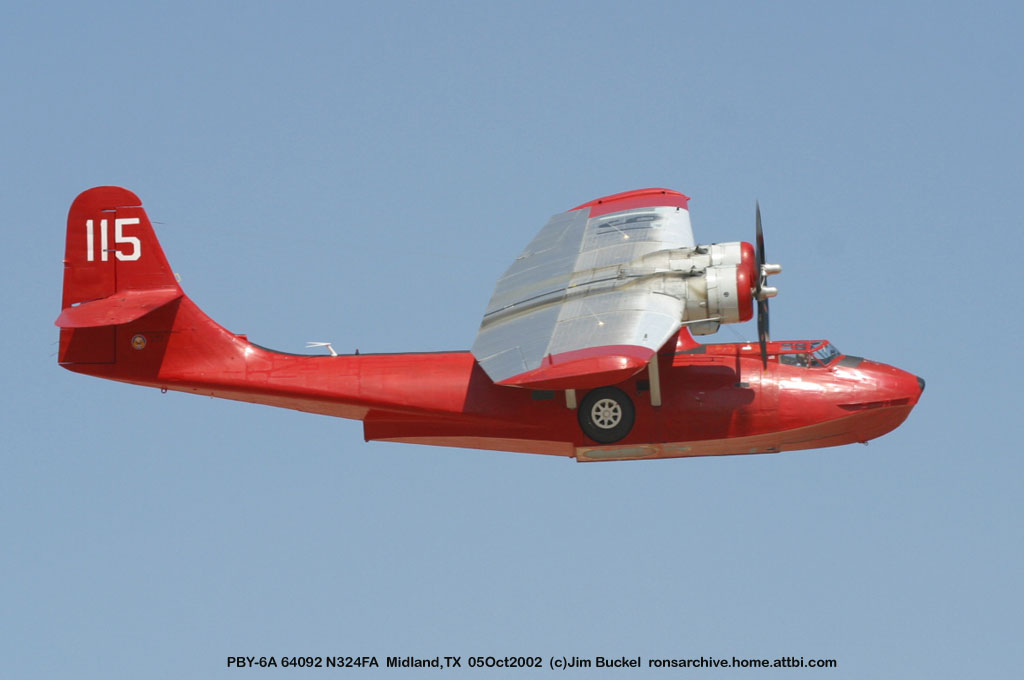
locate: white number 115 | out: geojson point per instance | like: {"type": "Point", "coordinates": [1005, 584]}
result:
{"type": "Point", "coordinates": [119, 238]}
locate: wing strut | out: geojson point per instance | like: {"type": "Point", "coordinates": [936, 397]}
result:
{"type": "Point", "coordinates": [655, 380]}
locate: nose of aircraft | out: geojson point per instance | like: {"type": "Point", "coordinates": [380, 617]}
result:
{"type": "Point", "coordinates": [874, 397]}
{"type": "Point", "coordinates": [894, 385]}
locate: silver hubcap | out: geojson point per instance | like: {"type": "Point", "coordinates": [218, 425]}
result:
{"type": "Point", "coordinates": [606, 413]}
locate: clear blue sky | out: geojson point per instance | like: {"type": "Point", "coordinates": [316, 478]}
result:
{"type": "Point", "coordinates": [362, 173]}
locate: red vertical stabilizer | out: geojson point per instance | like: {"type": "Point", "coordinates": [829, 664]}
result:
{"type": "Point", "coordinates": [114, 272]}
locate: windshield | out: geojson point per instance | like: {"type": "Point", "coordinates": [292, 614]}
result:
{"type": "Point", "coordinates": [825, 353]}
{"type": "Point", "coordinates": [821, 354]}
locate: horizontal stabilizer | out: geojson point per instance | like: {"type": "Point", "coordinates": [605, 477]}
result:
{"type": "Point", "coordinates": [122, 307]}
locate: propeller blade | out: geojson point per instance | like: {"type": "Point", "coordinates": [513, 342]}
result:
{"type": "Point", "coordinates": [760, 236]}
{"type": "Point", "coordinates": [762, 330]}
{"type": "Point", "coordinates": [763, 336]}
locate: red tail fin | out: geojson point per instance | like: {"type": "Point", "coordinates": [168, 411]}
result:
{"type": "Point", "coordinates": [111, 248]}
{"type": "Point", "coordinates": [114, 272]}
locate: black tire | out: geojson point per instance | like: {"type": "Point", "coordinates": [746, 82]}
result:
{"type": "Point", "coordinates": [606, 415]}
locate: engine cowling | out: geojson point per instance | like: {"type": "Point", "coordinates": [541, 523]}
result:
{"type": "Point", "coordinates": [720, 280]}
{"type": "Point", "coordinates": [730, 293]}
{"type": "Point", "coordinates": [732, 279]}
{"type": "Point", "coordinates": [716, 282]}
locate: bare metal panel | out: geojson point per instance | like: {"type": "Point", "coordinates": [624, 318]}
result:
{"type": "Point", "coordinates": [582, 283]}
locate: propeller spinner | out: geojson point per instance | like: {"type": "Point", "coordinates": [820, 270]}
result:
{"type": "Point", "coordinates": [763, 291]}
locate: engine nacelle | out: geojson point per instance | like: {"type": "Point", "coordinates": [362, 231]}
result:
{"type": "Point", "coordinates": [730, 293]}
{"type": "Point", "coordinates": [731, 281]}
{"type": "Point", "coordinates": [720, 280]}
{"type": "Point", "coordinates": [716, 282]}
{"type": "Point", "coordinates": [723, 293]}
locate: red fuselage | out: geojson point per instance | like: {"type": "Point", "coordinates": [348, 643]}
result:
{"type": "Point", "coordinates": [715, 399]}
{"type": "Point", "coordinates": [125, 317]}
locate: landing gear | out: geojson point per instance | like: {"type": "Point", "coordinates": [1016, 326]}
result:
{"type": "Point", "coordinates": [606, 415]}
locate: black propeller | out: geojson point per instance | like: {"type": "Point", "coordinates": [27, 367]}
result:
{"type": "Point", "coordinates": [763, 291]}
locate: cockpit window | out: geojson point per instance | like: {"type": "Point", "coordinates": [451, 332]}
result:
{"type": "Point", "coordinates": [821, 354]}
{"type": "Point", "coordinates": [802, 360]}
{"type": "Point", "coordinates": [825, 354]}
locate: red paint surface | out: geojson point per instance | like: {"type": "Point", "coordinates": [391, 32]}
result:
{"type": "Point", "coordinates": [716, 399]}
{"type": "Point", "coordinates": [746, 286]}
{"type": "Point", "coordinates": [639, 198]}
{"type": "Point", "coordinates": [745, 293]}
{"type": "Point", "coordinates": [584, 368]}
{"type": "Point", "coordinates": [122, 307]}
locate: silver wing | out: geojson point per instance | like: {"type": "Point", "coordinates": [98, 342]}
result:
{"type": "Point", "coordinates": [581, 300]}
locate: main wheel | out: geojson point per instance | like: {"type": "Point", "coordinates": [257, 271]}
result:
{"type": "Point", "coordinates": [606, 415]}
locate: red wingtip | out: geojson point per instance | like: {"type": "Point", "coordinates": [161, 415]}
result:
{"type": "Point", "coordinates": [638, 198]}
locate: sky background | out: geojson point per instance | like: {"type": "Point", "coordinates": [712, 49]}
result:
{"type": "Point", "coordinates": [363, 173]}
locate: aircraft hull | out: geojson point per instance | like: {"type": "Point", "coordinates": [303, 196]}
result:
{"type": "Point", "coordinates": [718, 402]}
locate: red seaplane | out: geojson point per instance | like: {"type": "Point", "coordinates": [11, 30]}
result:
{"type": "Point", "coordinates": [586, 348]}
